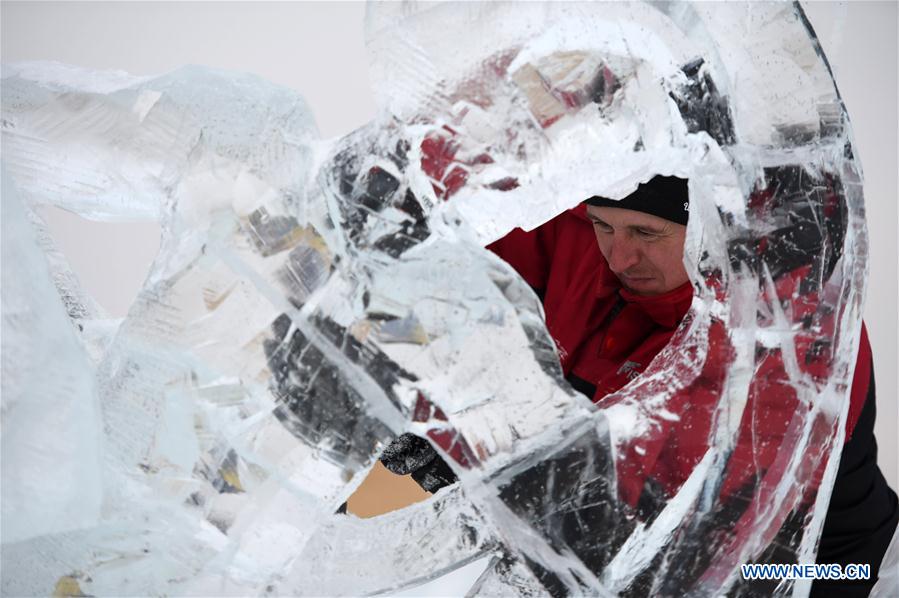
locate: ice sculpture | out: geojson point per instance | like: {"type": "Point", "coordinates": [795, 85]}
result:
{"type": "Point", "coordinates": [314, 299]}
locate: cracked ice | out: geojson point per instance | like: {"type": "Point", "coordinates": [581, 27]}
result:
{"type": "Point", "coordinates": [314, 299]}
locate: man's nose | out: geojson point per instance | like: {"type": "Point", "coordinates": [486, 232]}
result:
{"type": "Point", "coordinates": [623, 254]}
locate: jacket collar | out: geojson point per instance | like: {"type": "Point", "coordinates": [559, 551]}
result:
{"type": "Point", "coordinates": [667, 309]}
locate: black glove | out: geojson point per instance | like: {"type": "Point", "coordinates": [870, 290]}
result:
{"type": "Point", "coordinates": [409, 454]}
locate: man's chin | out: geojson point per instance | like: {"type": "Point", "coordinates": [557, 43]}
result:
{"type": "Point", "coordinates": [641, 286]}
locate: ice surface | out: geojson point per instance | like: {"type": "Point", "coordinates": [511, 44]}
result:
{"type": "Point", "coordinates": [51, 428]}
{"type": "Point", "coordinates": [312, 300]}
{"type": "Point", "coordinates": [352, 556]}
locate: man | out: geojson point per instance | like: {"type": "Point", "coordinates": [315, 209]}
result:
{"type": "Point", "coordinates": [610, 311]}
{"type": "Point", "coordinates": [614, 289]}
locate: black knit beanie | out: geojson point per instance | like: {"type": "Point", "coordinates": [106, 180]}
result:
{"type": "Point", "coordinates": [662, 196]}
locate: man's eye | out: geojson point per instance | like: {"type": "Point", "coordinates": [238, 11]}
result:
{"type": "Point", "coordinates": [647, 233]}
{"type": "Point", "coordinates": [602, 227]}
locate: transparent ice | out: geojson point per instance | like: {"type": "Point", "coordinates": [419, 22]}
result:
{"type": "Point", "coordinates": [314, 299]}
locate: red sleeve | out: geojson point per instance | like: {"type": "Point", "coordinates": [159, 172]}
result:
{"type": "Point", "coordinates": [530, 253]}
{"type": "Point", "coordinates": [670, 453]}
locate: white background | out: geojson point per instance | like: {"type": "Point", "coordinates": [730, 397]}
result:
{"type": "Point", "coordinates": [317, 48]}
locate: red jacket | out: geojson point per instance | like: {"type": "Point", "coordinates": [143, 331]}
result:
{"type": "Point", "coordinates": [606, 336]}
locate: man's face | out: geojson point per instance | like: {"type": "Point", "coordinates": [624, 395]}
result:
{"type": "Point", "coordinates": [645, 252]}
